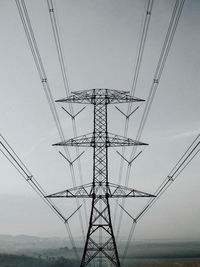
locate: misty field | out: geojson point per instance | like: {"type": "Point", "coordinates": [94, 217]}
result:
{"type": "Point", "coordinates": [193, 262]}
{"type": "Point", "coordinates": [30, 251]}
{"type": "Point", "coordinates": [24, 261]}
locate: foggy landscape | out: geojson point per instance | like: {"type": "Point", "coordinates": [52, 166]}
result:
{"type": "Point", "coordinates": [144, 56]}
{"type": "Point", "coordinates": [56, 252]}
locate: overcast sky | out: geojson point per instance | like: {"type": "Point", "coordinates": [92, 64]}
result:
{"type": "Point", "coordinates": [100, 42]}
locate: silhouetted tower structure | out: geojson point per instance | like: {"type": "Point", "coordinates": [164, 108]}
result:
{"type": "Point", "coordinates": [100, 240]}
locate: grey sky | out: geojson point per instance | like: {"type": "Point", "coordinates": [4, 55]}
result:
{"type": "Point", "coordinates": [99, 41]}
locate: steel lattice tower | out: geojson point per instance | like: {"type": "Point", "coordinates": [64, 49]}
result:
{"type": "Point", "coordinates": [100, 241]}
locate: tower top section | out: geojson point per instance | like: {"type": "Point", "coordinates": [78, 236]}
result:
{"type": "Point", "coordinates": [100, 95]}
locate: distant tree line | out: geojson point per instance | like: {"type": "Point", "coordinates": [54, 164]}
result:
{"type": "Point", "coordinates": [24, 261]}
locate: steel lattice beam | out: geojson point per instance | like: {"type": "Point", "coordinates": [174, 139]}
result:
{"type": "Point", "coordinates": [86, 191]}
{"type": "Point", "coordinates": [93, 95]}
{"type": "Point", "coordinates": [112, 140]}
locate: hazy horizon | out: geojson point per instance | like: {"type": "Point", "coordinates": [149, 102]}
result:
{"type": "Point", "coordinates": [100, 42]}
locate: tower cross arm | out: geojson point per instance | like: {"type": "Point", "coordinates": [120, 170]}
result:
{"type": "Point", "coordinates": [120, 191]}
{"type": "Point", "coordinates": [107, 96]}
{"type": "Point", "coordinates": [83, 191]}
{"type": "Point", "coordinates": [110, 191]}
{"type": "Point", "coordinates": [89, 140]}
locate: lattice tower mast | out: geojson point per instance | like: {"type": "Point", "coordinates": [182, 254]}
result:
{"type": "Point", "coordinates": [100, 240]}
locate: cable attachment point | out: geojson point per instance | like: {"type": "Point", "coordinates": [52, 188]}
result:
{"type": "Point", "coordinates": [131, 161]}
{"type": "Point", "coordinates": [66, 221]}
{"type": "Point", "coordinates": [44, 80]}
{"type": "Point", "coordinates": [29, 178]}
{"type": "Point", "coordinates": [170, 178]}
{"type": "Point", "coordinates": [155, 80]}
{"type": "Point", "coordinates": [73, 116]}
{"type": "Point", "coordinates": [127, 116]}
{"type": "Point", "coordinates": [69, 161]}
{"type": "Point", "coordinates": [134, 220]}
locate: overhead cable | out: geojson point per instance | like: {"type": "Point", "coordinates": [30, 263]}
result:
{"type": "Point", "coordinates": [21, 168]}
{"type": "Point", "coordinates": [177, 10]}
{"type": "Point", "coordinates": [178, 7]}
{"type": "Point", "coordinates": [43, 77]}
{"type": "Point", "coordinates": [182, 163]}
{"type": "Point", "coordinates": [141, 45]}
{"type": "Point", "coordinates": [59, 49]}
{"type": "Point", "coordinates": [13, 158]}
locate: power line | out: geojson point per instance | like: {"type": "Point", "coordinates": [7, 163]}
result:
{"type": "Point", "coordinates": [42, 74]}
{"type": "Point", "coordinates": [140, 52]}
{"type": "Point", "coordinates": [161, 63]}
{"type": "Point", "coordinates": [131, 233]}
{"type": "Point", "coordinates": [13, 158]}
{"type": "Point", "coordinates": [59, 49]}
{"type": "Point", "coordinates": [39, 64]}
{"type": "Point", "coordinates": [22, 169]}
{"type": "Point", "coordinates": [72, 241]}
{"type": "Point", "coordinates": [158, 72]}
{"type": "Point", "coordinates": [182, 163]}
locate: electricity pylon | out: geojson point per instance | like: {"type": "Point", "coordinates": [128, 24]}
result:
{"type": "Point", "coordinates": [100, 240]}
